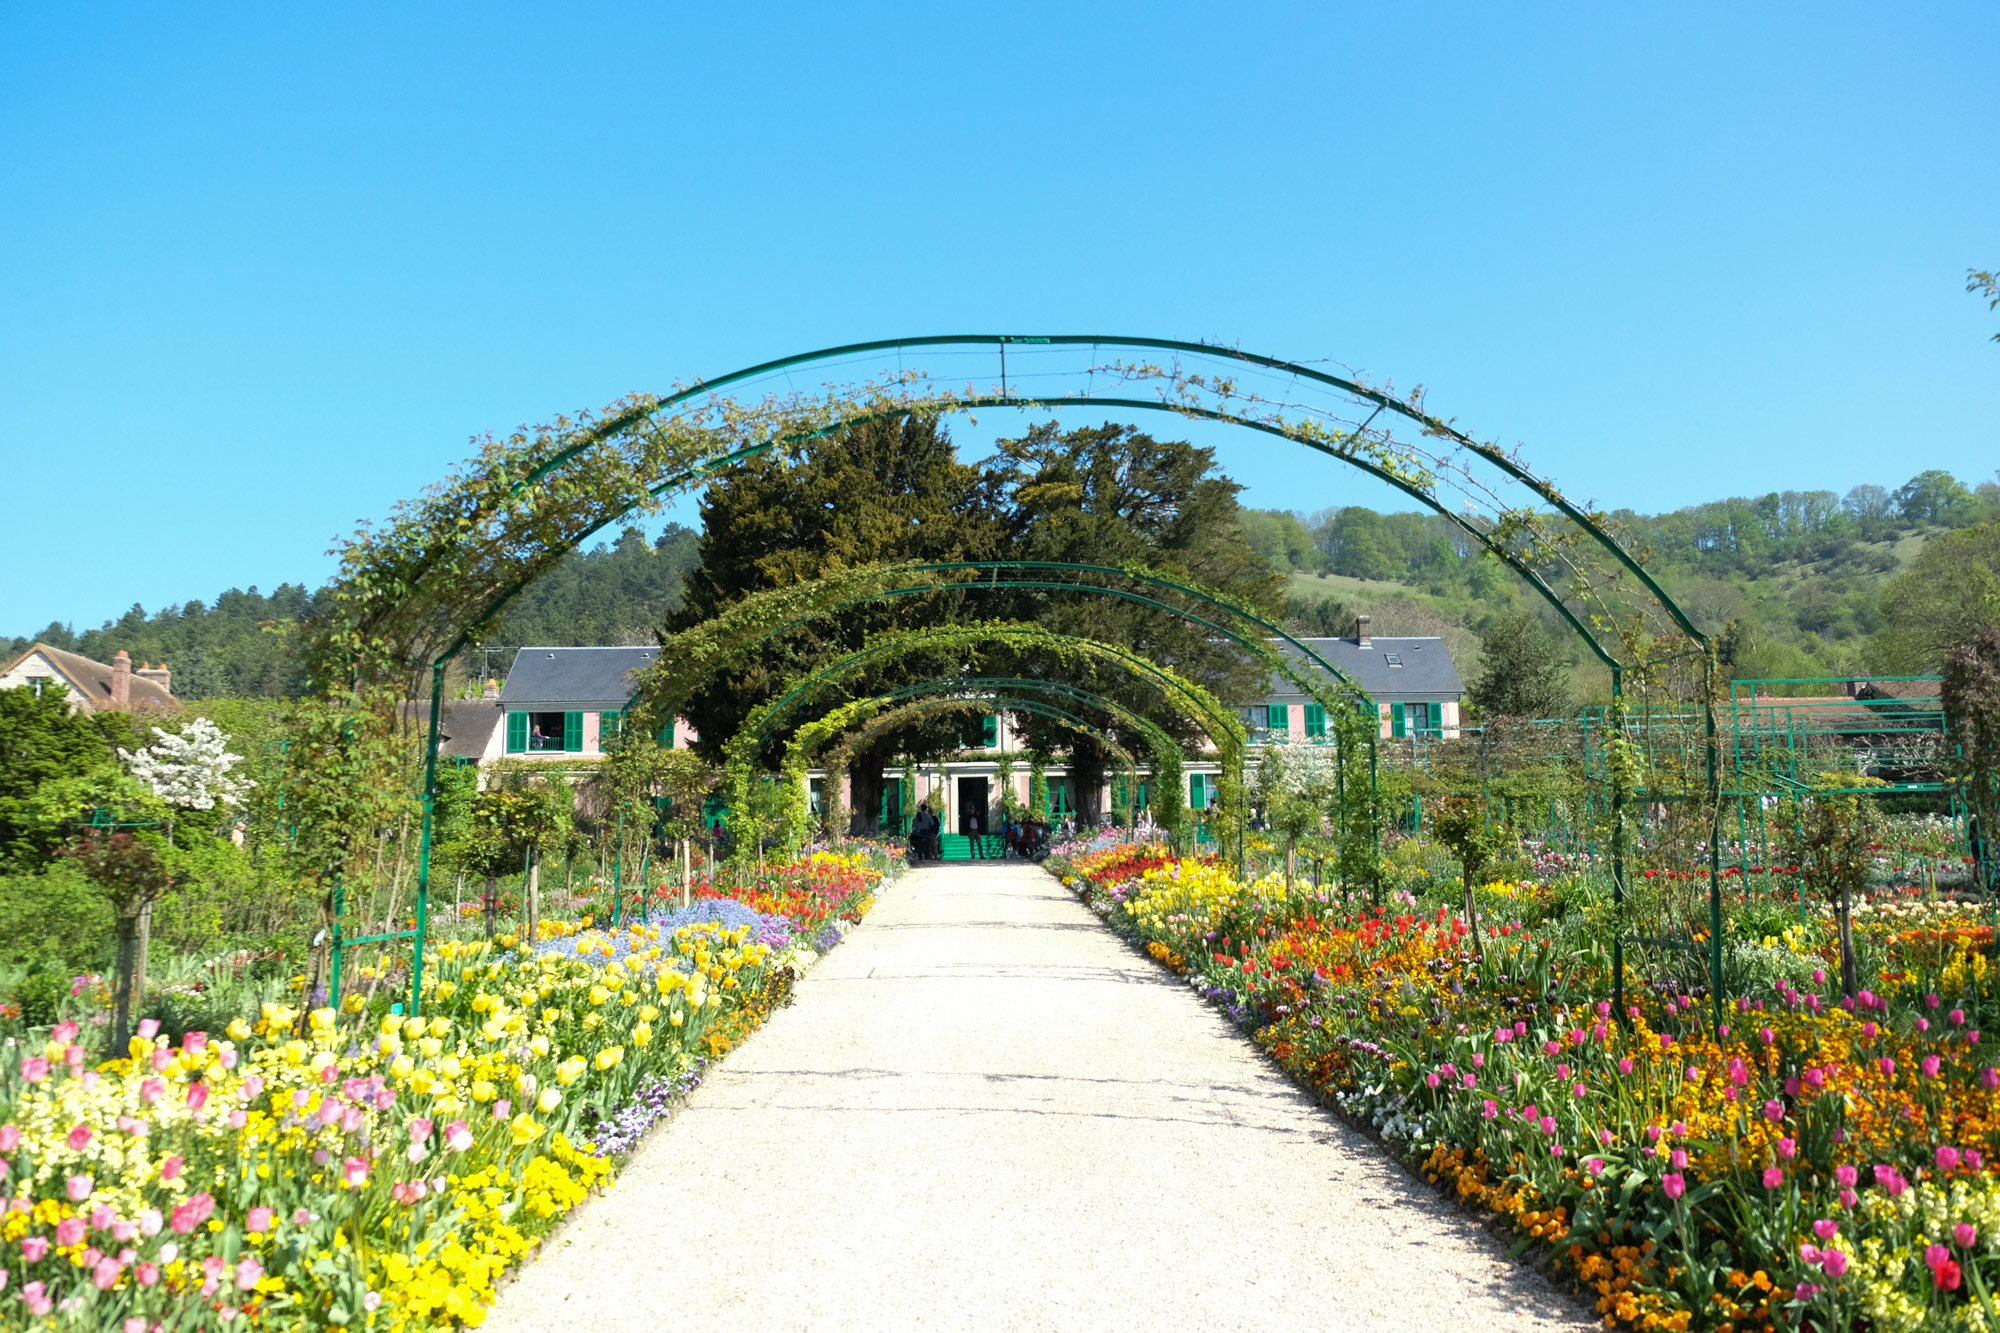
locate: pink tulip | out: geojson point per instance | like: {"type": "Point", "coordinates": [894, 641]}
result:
{"type": "Point", "coordinates": [1788, 1148]}
{"type": "Point", "coordinates": [1624, 1066]}
{"type": "Point", "coordinates": [152, 1090]}
{"type": "Point", "coordinates": [34, 1248]}
{"type": "Point", "coordinates": [1492, 1109]}
{"type": "Point", "coordinates": [1548, 1124]}
{"type": "Point", "coordinates": [79, 1138]}
{"type": "Point", "coordinates": [1947, 1157]}
{"type": "Point", "coordinates": [1594, 1165]}
{"type": "Point", "coordinates": [148, 1274]}
{"type": "Point", "coordinates": [1989, 1079]}
{"type": "Point", "coordinates": [105, 1275]}
{"type": "Point", "coordinates": [38, 1304]}
{"type": "Point", "coordinates": [248, 1272]}
{"type": "Point", "coordinates": [102, 1216]}
{"type": "Point", "coordinates": [1809, 1255]}
{"type": "Point", "coordinates": [1774, 1111]}
{"type": "Point", "coordinates": [79, 1188]}
{"type": "Point", "coordinates": [35, 1068]}
{"type": "Point", "coordinates": [354, 1173]}
{"type": "Point", "coordinates": [1887, 1065]}
{"type": "Point", "coordinates": [458, 1135]}
{"type": "Point", "coordinates": [1965, 1233]}
{"type": "Point", "coordinates": [257, 1220]}
{"type": "Point", "coordinates": [1847, 1176]}
{"type": "Point", "coordinates": [69, 1232]}
{"type": "Point", "coordinates": [420, 1128]}
{"type": "Point", "coordinates": [10, 1138]}
{"type": "Point", "coordinates": [1431, 1079]}
{"type": "Point", "coordinates": [1826, 1228]}
{"type": "Point", "coordinates": [1679, 1159]}
{"type": "Point", "coordinates": [1957, 1017]}
{"type": "Point", "coordinates": [150, 1222]}
{"type": "Point", "coordinates": [1835, 1263]}
{"type": "Point", "coordinates": [1773, 1177]}
{"type": "Point", "coordinates": [1931, 1065]}
{"type": "Point", "coordinates": [1673, 1184]}
{"type": "Point", "coordinates": [171, 1168]}
{"type": "Point", "coordinates": [197, 1096]}
{"type": "Point", "coordinates": [193, 1213]}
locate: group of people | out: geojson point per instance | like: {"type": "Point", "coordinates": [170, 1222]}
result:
{"type": "Point", "coordinates": [1028, 839]}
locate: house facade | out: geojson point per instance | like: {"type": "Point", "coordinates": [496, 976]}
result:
{"type": "Point", "coordinates": [569, 703]}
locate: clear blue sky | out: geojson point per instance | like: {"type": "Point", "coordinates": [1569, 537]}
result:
{"type": "Point", "coordinates": [265, 268]}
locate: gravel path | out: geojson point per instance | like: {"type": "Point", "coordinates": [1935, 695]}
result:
{"type": "Point", "coordinates": [985, 1112]}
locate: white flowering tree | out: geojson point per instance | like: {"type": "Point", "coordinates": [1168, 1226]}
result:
{"type": "Point", "coordinates": [189, 771]}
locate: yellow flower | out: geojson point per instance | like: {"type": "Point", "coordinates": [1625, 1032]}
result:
{"type": "Point", "coordinates": [526, 1131]}
{"type": "Point", "coordinates": [609, 1057]}
{"type": "Point", "coordinates": [482, 1091]}
{"type": "Point", "coordinates": [238, 1029]}
{"type": "Point", "coordinates": [570, 1070]}
{"type": "Point", "coordinates": [549, 1100]}
{"type": "Point", "coordinates": [323, 1020]}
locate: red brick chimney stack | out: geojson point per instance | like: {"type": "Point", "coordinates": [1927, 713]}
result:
{"type": "Point", "coordinates": [121, 680]}
{"type": "Point", "coordinates": [159, 675]}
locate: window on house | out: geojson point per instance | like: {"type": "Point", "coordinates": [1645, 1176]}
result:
{"type": "Point", "coordinates": [818, 796]}
{"type": "Point", "coordinates": [1393, 659]}
{"type": "Point", "coordinates": [540, 733]}
{"type": "Point", "coordinates": [983, 734]}
{"type": "Point", "coordinates": [607, 728]}
{"type": "Point", "coordinates": [1059, 802]}
{"type": "Point", "coordinates": [1315, 722]}
{"type": "Point", "coordinates": [40, 683]}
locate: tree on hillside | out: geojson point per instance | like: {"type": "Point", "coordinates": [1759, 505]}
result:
{"type": "Point", "coordinates": [1319, 618]}
{"type": "Point", "coordinates": [1946, 596]}
{"type": "Point", "coordinates": [1522, 675]}
{"type": "Point", "coordinates": [880, 492]}
{"type": "Point", "coordinates": [1931, 497]}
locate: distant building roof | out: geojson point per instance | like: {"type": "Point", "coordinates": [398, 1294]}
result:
{"type": "Point", "coordinates": [1390, 669]}
{"type": "Point", "coordinates": [91, 684]}
{"type": "Point", "coordinates": [574, 678]}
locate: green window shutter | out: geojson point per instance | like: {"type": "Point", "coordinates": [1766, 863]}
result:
{"type": "Point", "coordinates": [989, 731]}
{"type": "Point", "coordinates": [1315, 720]}
{"type": "Point", "coordinates": [1198, 791]}
{"type": "Point", "coordinates": [517, 733]}
{"type": "Point", "coordinates": [607, 728]}
{"type": "Point", "coordinates": [1278, 717]}
{"type": "Point", "coordinates": [1396, 720]}
{"type": "Point", "coordinates": [573, 731]}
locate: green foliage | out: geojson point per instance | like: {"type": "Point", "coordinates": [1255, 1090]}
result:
{"type": "Point", "coordinates": [1971, 691]}
{"type": "Point", "coordinates": [1318, 617]}
{"type": "Point", "coordinates": [54, 917]}
{"type": "Point", "coordinates": [41, 743]}
{"type": "Point", "coordinates": [1948, 596]}
{"type": "Point", "coordinates": [1524, 670]}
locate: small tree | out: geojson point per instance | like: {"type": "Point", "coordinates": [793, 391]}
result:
{"type": "Point", "coordinates": [1461, 826]}
{"type": "Point", "coordinates": [132, 878]}
{"type": "Point", "coordinates": [1523, 671]}
{"type": "Point", "coordinates": [1829, 837]}
{"type": "Point", "coordinates": [1972, 712]}
{"type": "Point", "coordinates": [187, 772]}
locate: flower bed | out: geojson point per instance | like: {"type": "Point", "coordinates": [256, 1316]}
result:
{"type": "Point", "coordinates": [373, 1170]}
{"type": "Point", "coordinates": [1818, 1163]}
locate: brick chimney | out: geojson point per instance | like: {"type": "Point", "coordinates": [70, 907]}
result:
{"type": "Point", "coordinates": [159, 675]}
{"type": "Point", "coordinates": [1362, 626]}
{"type": "Point", "coordinates": [492, 689]}
{"type": "Point", "coordinates": [121, 681]}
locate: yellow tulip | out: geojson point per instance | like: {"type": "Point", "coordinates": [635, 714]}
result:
{"type": "Point", "coordinates": [647, 1013]}
{"type": "Point", "coordinates": [549, 1100]}
{"type": "Point", "coordinates": [429, 1047]}
{"type": "Point", "coordinates": [295, 1052]}
{"type": "Point", "coordinates": [400, 1067]}
{"type": "Point", "coordinates": [539, 1044]}
{"type": "Point", "coordinates": [570, 1070]}
{"type": "Point", "coordinates": [238, 1029]}
{"type": "Point", "coordinates": [450, 1066]}
{"type": "Point", "coordinates": [642, 1036]}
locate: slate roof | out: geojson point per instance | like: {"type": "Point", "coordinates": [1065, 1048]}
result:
{"type": "Point", "coordinates": [1426, 671]}
{"type": "Point", "coordinates": [589, 679]}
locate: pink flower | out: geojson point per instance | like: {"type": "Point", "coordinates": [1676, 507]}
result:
{"type": "Point", "coordinates": [1847, 1176]}
{"type": "Point", "coordinates": [150, 1222]}
{"type": "Point", "coordinates": [1947, 1157]}
{"type": "Point", "coordinates": [257, 1220]}
{"type": "Point", "coordinates": [1579, 1090]}
{"type": "Point", "coordinates": [420, 1128]}
{"type": "Point", "coordinates": [1773, 1177]}
{"type": "Point", "coordinates": [1848, 1198]}
{"type": "Point", "coordinates": [10, 1138]}
{"type": "Point", "coordinates": [354, 1173]}
{"type": "Point", "coordinates": [1673, 1184]}
{"type": "Point", "coordinates": [237, 1118]}
{"type": "Point", "coordinates": [1809, 1255]}
{"type": "Point", "coordinates": [38, 1304]}
{"type": "Point", "coordinates": [1604, 1137]}
{"type": "Point", "coordinates": [1826, 1228]}
{"type": "Point", "coordinates": [79, 1138]}
{"type": "Point", "coordinates": [503, 1109]}
{"type": "Point", "coordinates": [1430, 1081]}
{"type": "Point", "coordinates": [171, 1168]}
{"type": "Point", "coordinates": [197, 1096]}
{"type": "Point", "coordinates": [1470, 1080]}
{"type": "Point", "coordinates": [458, 1135]}
{"type": "Point", "coordinates": [105, 1275]}
{"type": "Point", "coordinates": [1624, 1066]}
{"type": "Point", "coordinates": [152, 1090]}
{"type": "Point", "coordinates": [79, 1188]}
{"type": "Point", "coordinates": [1594, 1165]}
{"type": "Point", "coordinates": [351, 1118]}
{"type": "Point", "coordinates": [102, 1216]}
{"type": "Point", "coordinates": [34, 1248]}
{"type": "Point", "coordinates": [300, 1217]}
{"type": "Point", "coordinates": [1766, 1036]}
{"type": "Point", "coordinates": [1887, 1065]}
{"type": "Point", "coordinates": [1835, 1263]}
{"type": "Point", "coordinates": [149, 1028]}
{"type": "Point", "coordinates": [1492, 1109]}
{"type": "Point", "coordinates": [1930, 1065]}
{"type": "Point", "coordinates": [248, 1272]}
{"type": "Point", "coordinates": [1774, 1111]}
{"type": "Point", "coordinates": [65, 1032]}
{"type": "Point", "coordinates": [1679, 1159]}
{"type": "Point", "coordinates": [193, 1213]}
{"type": "Point", "coordinates": [1965, 1233]}
{"type": "Point", "coordinates": [1989, 1079]}
{"type": "Point", "coordinates": [1788, 1148]}
{"type": "Point", "coordinates": [416, 1152]}
{"type": "Point", "coordinates": [69, 1231]}
{"type": "Point", "coordinates": [1957, 1017]}
{"type": "Point", "coordinates": [1551, 1047]}
{"type": "Point", "coordinates": [1548, 1124]}
{"type": "Point", "coordinates": [148, 1274]}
